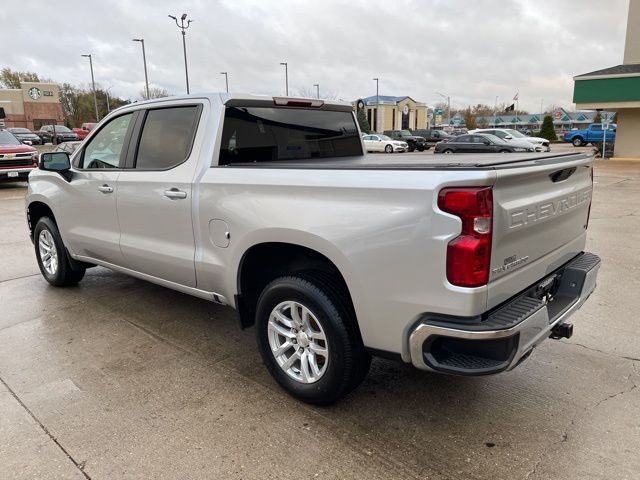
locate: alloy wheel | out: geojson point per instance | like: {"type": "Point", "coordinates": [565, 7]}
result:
{"type": "Point", "coordinates": [48, 252]}
{"type": "Point", "coordinates": [298, 342]}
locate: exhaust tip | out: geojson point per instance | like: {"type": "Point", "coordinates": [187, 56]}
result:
{"type": "Point", "coordinates": [563, 330]}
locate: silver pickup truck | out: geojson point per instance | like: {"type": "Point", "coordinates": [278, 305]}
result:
{"type": "Point", "coordinates": [269, 205]}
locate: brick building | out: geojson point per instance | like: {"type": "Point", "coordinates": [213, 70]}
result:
{"type": "Point", "coordinates": [32, 105]}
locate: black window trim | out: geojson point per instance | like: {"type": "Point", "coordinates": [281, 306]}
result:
{"type": "Point", "coordinates": [132, 153]}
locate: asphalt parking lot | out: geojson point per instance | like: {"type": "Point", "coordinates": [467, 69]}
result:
{"type": "Point", "coordinates": [119, 378]}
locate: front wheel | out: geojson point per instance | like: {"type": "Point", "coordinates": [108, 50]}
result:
{"type": "Point", "coordinates": [52, 256]}
{"type": "Point", "coordinates": [308, 339]}
{"type": "Point", "coordinates": [504, 151]}
{"type": "Point", "coordinates": [448, 151]}
{"type": "Point", "coordinates": [388, 149]}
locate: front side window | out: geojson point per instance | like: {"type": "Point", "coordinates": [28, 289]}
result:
{"type": "Point", "coordinates": [105, 149]}
{"type": "Point", "coordinates": [167, 137]}
{"type": "Point", "coordinates": [262, 134]}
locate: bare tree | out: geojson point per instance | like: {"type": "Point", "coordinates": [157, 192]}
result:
{"type": "Point", "coordinates": [154, 92]}
{"type": "Point", "coordinates": [311, 92]}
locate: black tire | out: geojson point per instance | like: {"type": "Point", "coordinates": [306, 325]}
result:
{"type": "Point", "coordinates": [411, 149]}
{"type": "Point", "coordinates": [447, 151]}
{"type": "Point", "coordinates": [388, 149]}
{"type": "Point", "coordinates": [348, 362]}
{"type": "Point", "coordinates": [504, 151]}
{"type": "Point", "coordinates": [577, 142]}
{"type": "Point", "coordinates": [64, 275]}
{"type": "Point", "coordinates": [421, 149]}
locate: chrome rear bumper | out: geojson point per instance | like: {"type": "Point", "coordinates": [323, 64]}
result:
{"type": "Point", "coordinates": [505, 336]}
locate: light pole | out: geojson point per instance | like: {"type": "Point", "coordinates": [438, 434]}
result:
{"type": "Point", "coordinates": [495, 111]}
{"type": "Point", "coordinates": [144, 61]}
{"type": "Point", "coordinates": [286, 76]}
{"type": "Point", "coordinates": [448, 99]}
{"type": "Point", "coordinates": [226, 79]}
{"type": "Point", "coordinates": [183, 27]}
{"type": "Point", "coordinates": [377, 80]}
{"type": "Point", "coordinates": [317, 85]}
{"type": "Point", "coordinates": [93, 86]}
{"type": "Point", "coordinates": [106, 92]}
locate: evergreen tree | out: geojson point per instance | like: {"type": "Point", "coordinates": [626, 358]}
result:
{"type": "Point", "coordinates": [547, 131]}
{"type": "Point", "coordinates": [363, 123]}
{"type": "Point", "coordinates": [597, 118]}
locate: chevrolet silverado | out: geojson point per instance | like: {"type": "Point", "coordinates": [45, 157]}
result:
{"type": "Point", "coordinates": [270, 206]}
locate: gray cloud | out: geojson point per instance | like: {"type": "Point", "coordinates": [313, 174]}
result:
{"type": "Point", "coordinates": [472, 51]}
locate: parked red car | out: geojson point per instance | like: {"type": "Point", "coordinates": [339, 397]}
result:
{"type": "Point", "coordinates": [84, 130]}
{"type": "Point", "coordinates": [17, 160]}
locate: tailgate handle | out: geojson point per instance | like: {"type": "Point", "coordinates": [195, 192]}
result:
{"type": "Point", "coordinates": [562, 175]}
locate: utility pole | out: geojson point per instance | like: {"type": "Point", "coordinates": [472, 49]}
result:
{"type": "Point", "coordinates": [448, 99]}
{"type": "Point", "coordinates": [495, 111]}
{"type": "Point", "coordinates": [183, 27]}
{"type": "Point", "coordinates": [106, 92]}
{"type": "Point", "coordinates": [317, 85]}
{"type": "Point", "coordinates": [144, 61]}
{"type": "Point", "coordinates": [93, 86]}
{"type": "Point", "coordinates": [286, 77]}
{"type": "Point", "coordinates": [226, 79]}
{"type": "Point", "coordinates": [375, 118]}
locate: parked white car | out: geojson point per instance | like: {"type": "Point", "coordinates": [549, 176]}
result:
{"type": "Point", "coordinates": [509, 134]}
{"type": "Point", "coordinates": [382, 143]}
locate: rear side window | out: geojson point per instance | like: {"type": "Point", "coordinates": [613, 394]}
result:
{"type": "Point", "coordinates": [263, 134]}
{"type": "Point", "coordinates": [167, 137]}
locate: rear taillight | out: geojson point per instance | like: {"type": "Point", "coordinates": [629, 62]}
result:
{"type": "Point", "coordinates": [469, 254]}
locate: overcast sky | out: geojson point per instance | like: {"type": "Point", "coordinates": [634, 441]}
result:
{"type": "Point", "coordinates": [470, 50]}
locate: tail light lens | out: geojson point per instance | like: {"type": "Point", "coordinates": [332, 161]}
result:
{"type": "Point", "coordinates": [469, 254]}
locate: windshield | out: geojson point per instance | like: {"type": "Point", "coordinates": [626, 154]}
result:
{"type": "Point", "coordinates": [515, 133]}
{"type": "Point", "coordinates": [405, 133]}
{"type": "Point", "coordinates": [19, 130]}
{"type": "Point", "coordinates": [62, 128]}
{"type": "Point", "coordinates": [7, 138]}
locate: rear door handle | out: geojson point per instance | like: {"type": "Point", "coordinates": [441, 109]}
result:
{"type": "Point", "coordinates": [105, 188]}
{"type": "Point", "coordinates": [175, 193]}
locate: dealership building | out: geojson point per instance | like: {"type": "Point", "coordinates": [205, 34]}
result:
{"type": "Point", "coordinates": [617, 89]}
{"type": "Point", "coordinates": [385, 112]}
{"type": "Point", "coordinates": [32, 105]}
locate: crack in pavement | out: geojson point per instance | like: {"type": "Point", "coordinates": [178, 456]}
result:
{"type": "Point", "coordinates": [19, 278]}
{"type": "Point", "coordinates": [565, 434]}
{"type": "Point", "coordinates": [79, 465]}
{"type": "Point", "coordinates": [611, 354]}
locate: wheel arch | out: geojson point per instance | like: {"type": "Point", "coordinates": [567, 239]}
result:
{"type": "Point", "coordinates": [36, 209]}
{"type": "Point", "coordinates": [264, 261]}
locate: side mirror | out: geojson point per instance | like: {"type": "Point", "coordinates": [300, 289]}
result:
{"type": "Point", "coordinates": [487, 142]}
{"type": "Point", "coordinates": [508, 137]}
{"type": "Point", "coordinates": [56, 162]}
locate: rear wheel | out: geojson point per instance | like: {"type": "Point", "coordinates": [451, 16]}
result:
{"type": "Point", "coordinates": [388, 149]}
{"type": "Point", "coordinates": [448, 151]}
{"type": "Point", "coordinates": [577, 142]}
{"type": "Point", "coordinates": [504, 151]}
{"type": "Point", "coordinates": [308, 339]}
{"type": "Point", "coordinates": [52, 255]}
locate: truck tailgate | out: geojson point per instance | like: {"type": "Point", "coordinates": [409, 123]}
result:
{"type": "Point", "coordinates": [540, 218]}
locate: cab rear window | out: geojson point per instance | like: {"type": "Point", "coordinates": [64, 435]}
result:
{"type": "Point", "coordinates": [263, 134]}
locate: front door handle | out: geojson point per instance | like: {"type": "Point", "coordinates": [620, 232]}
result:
{"type": "Point", "coordinates": [105, 188]}
{"type": "Point", "coordinates": [175, 193]}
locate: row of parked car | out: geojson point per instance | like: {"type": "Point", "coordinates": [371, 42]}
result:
{"type": "Point", "coordinates": [47, 133]}
{"type": "Point", "coordinates": [500, 140]}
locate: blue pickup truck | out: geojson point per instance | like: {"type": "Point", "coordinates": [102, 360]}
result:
{"type": "Point", "coordinates": [593, 134]}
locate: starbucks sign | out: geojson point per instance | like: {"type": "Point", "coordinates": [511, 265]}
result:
{"type": "Point", "coordinates": [34, 93]}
